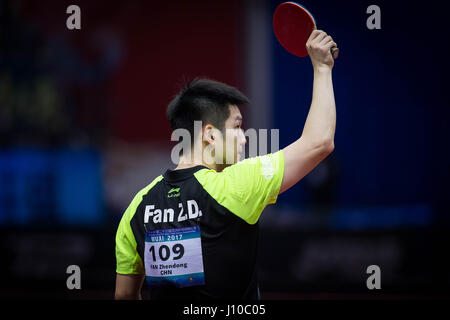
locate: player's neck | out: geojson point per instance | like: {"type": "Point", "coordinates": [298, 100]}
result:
{"type": "Point", "coordinates": [189, 161]}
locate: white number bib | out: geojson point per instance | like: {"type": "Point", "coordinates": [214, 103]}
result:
{"type": "Point", "coordinates": [174, 256]}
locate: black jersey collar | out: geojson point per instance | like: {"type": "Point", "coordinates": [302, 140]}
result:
{"type": "Point", "coordinates": [181, 174]}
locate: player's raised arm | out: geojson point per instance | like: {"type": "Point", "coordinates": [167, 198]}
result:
{"type": "Point", "coordinates": [317, 139]}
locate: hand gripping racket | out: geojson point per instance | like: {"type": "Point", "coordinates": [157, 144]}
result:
{"type": "Point", "coordinates": [293, 25]}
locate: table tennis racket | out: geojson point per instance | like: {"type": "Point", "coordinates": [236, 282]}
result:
{"type": "Point", "coordinates": [293, 25]}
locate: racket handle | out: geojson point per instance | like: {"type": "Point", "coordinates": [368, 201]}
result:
{"type": "Point", "coordinates": [334, 52]}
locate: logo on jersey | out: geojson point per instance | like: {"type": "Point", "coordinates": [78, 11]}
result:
{"type": "Point", "coordinates": [168, 215]}
{"type": "Point", "coordinates": [174, 192]}
{"type": "Point", "coordinates": [267, 167]}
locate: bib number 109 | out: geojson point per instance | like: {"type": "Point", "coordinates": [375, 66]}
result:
{"type": "Point", "coordinates": [174, 257]}
{"type": "Point", "coordinates": [164, 253]}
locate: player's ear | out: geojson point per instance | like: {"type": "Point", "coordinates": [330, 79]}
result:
{"type": "Point", "coordinates": [208, 134]}
{"type": "Point", "coordinates": [212, 135]}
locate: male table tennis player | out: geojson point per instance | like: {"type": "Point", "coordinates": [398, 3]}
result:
{"type": "Point", "coordinates": [192, 233]}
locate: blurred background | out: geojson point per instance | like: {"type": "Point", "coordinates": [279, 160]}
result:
{"type": "Point", "coordinates": [83, 128]}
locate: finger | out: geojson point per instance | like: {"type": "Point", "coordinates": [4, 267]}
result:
{"type": "Point", "coordinates": [330, 45]}
{"type": "Point", "coordinates": [314, 34]}
{"type": "Point", "coordinates": [325, 40]}
{"type": "Point", "coordinates": [333, 49]}
{"type": "Point", "coordinates": [320, 37]}
{"type": "Point", "coordinates": [334, 52]}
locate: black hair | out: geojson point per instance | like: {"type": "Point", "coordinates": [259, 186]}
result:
{"type": "Point", "coordinates": [203, 100]}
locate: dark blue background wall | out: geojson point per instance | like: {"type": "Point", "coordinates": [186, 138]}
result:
{"type": "Point", "coordinates": [391, 99]}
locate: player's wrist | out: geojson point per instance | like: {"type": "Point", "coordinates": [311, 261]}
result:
{"type": "Point", "coordinates": [322, 68]}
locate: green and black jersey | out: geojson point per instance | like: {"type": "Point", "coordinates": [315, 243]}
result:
{"type": "Point", "coordinates": [194, 232]}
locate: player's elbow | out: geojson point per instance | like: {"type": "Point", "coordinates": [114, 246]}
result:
{"type": "Point", "coordinates": [328, 146]}
{"type": "Point", "coordinates": [324, 147]}
{"type": "Point", "coordinates": [121, 295]}
{"type": "Point", "coordinates": [126, 293]}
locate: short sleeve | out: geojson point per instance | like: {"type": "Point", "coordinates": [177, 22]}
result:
{"type": "Point", "coordinates": [127, 258]}
{"type": "Point", "coordinates": [246, 187]}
